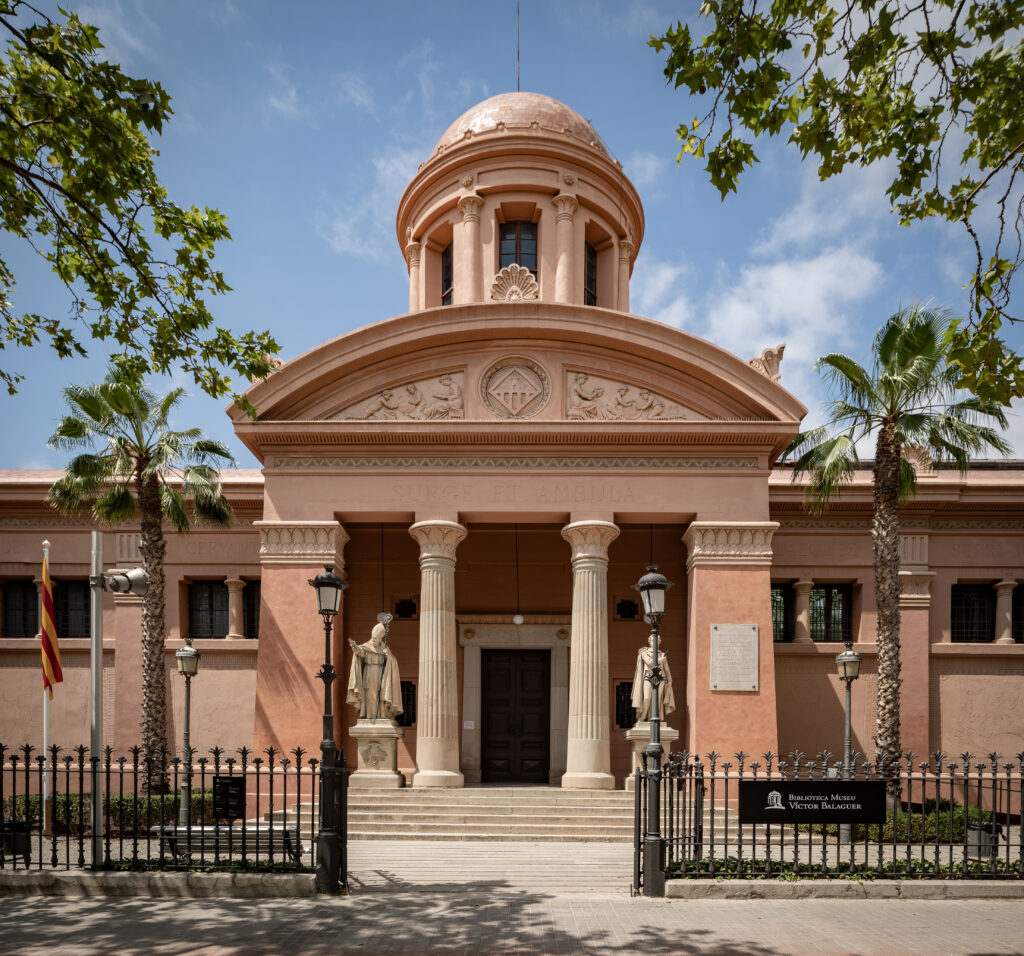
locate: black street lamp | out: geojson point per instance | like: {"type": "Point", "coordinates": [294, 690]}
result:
{"type": "Point", "coordinates": [328, 587]}
{"type": "Point", "coordinates": [652, 587]}
{"type": "Point", "coordinates": [187, 658]}
{"type": "Point", "coordinates": [848, 665]}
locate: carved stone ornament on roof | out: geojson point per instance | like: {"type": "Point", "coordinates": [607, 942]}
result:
{"type": "Point", "coordinates": [591, 397]}
{"type": "Point", "coordinates": [920, 461]}
{"type": "Point", "coordinates": [438, 398]}
{"type": "Point", "coordinates": [515, 387]}
{"type": "Point", "coordinates": [513, 284]}
{"type": "Point", "coordinates": [768, 362]}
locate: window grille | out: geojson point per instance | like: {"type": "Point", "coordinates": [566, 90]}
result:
{"type": "Point", "coordinates": [625, 713]}
{"type": "Point", "coordinates": [251, 609]}
{"type": "Point", "coordinates": [627, 610]}
{"type": "Point", "coordinates": [783, 612]}
{"type": "Point", "coordinates": [447, 275]}
{"type": "Point", "coordinates": [21, 609]}
{"type": "Point", "coordinates": [831, 617]}
{"type": "Point", "coordinates": [408, 715]}
{"type": "Point", "coordinates": [405, 609]}
{"type": "Point", "coordinates": [590, 276]}
{"type": "Point", "coordinates": [519, 244]}
{"type": "Point", "coordinates": [207, 609]}
{"type": "Point", "coordinates": [71, 609]}
{"type": "Point", "coordinates": [973, 613]}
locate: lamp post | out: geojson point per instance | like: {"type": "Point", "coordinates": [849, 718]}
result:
{"type": "Point", "coordinates": [652, 587]}
{"type": "Point", "coordinates": [187, 658]}
{"type": "Point", "coordinates": [848, 665]}
{"type": "Point", "coordinates": [328, 587]}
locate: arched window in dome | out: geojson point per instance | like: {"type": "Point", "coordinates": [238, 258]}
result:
{"type": "Point", "coordinates": [590, 276]}
{"type": "Point", "coordinates": [519, 244]}
{"type": "Point", "coordinates": [446, 275]}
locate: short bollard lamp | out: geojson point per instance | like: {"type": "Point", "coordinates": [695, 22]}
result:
{"type": "Point", "coordinates": [848, 665]}
{"type": "Point", "coordinates": [187, 659]}
{"type": "Point", "coordinates": [652, 587]}
{"type": "Point", "coordinates": [328, 587]}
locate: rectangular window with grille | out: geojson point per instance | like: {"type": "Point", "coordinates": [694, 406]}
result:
{"type": "Point", "coordinates": [590, 276]}
{"type": "Point", "coordinates": [207, 609]}
{"type": "Point", "coordinates": [1018, 614]}
{"type": "Point", "coordinates": [519, 244]}
{"type": "Point", "coordinates": [831, 612]}
{"type": "Point", "coordinates": [447, 275]}
{"type": "Point", "coordinates": [21, 609]}
{"type": "Point", "coordinates": [251, 609]}
{"type": "Point", "coordinates": [71, 608]}
{"type": "Point", "coordinates": [408, 715]}
{"type": "Point", "coordinates": [625, 713]}
{"type": "Point", "coordinates": [972, 614]}
{"type": "Point", "coordinates": [783, 612]}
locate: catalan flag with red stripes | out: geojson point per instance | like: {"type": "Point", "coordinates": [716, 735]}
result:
{"type": "Point", "coordinates": [52, 673]}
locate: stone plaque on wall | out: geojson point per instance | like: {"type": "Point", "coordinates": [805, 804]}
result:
{"type": "Point", "coordinates": [734, 657]}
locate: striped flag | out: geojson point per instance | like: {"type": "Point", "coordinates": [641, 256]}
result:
{"type": "Point", "coordinates": [51, 649]}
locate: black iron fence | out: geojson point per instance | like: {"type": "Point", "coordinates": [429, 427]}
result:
{"type": "Point", "coordinates": [245, 811]}
{"type": "Point", "coordinates": [795, 817]}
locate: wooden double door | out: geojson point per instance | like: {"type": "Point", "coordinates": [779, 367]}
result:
{"type": "Point", "coordinates": [515, 709]}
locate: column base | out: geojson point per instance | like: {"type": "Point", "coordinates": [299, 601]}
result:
{"type": "Point", "coordinates": [587, 781]}
{"type": "Point", "coordinates": [437, 778]}
{"type": "Point", "coordinates": [638, 737]}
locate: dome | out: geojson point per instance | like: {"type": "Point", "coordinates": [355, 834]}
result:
{"type": "Point", "coordinates": [520, 111]}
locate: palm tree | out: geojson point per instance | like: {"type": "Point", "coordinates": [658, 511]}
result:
{"type": "Point", "coordinates": [908, 398]}
{"type": "Point", "coordinates": [143, 469]}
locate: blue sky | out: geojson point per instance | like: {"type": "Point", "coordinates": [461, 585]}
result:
{"type": "Point", "coordinates": [303, 122]}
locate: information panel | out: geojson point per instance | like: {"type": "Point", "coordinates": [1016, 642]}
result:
{"type": "Point", "coordinates": [812, 801]}
{"type": "Point", "coordinates": [228, 798]}
{"type": "Point", "coordinates": [734, 657]}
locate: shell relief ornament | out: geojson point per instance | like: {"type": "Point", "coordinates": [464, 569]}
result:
{"type": "Point", "coordinates": [514, 283]}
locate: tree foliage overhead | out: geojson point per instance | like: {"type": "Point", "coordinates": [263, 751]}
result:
{"type": "Point", "coordinates": [936, 85]}
{"type": "Point", "coordinates": [77, 183]}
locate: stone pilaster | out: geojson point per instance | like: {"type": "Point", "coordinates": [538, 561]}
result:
{"type": "Point", "coordinates": [915, 643]}
{"type": "Point", "coordinates": [625, 255]}
{"type": "Point", "coordinates": [565, 210]}
{"type": "Point", "coordinates": [289, 697]}
{"type": "Point", "coordinates": [470, 288]}
{"type": "Point", "coordinates": [802, 617]}
{"type": "Point", "coordinates": [1004, 611]}
{"type": "Point", "coordinates": [235, 585]}
{"type": "Point", "coordinates": [412, 256]}
{"type": "Point", "coordinates": [588, 754]}
{"type": "Point", "coordinates": [437, 701]}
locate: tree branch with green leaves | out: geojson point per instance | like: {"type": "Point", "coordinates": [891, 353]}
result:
{"type": "Point", "coordinates": [934, 85]}
{"type": "Point", "coordinates": [78, 185]}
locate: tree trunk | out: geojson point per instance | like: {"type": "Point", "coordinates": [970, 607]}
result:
{"type": "Point", "coordinates": [154, 684]}
{"type": "Point", "coordinates": [885, 534]}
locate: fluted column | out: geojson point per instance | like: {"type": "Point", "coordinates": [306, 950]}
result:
{"type": "Point", "coordinates": [565, 209]}
{"type": "Point", "coordinates": [1004, 611]}
{"type": "Point", "coordinates": [625, 254]}
{"type": "Point", "coordinates": [588, 754]}
{"type": "Point", "coordinates": [412, 255]}
{"type": "Point", "coordinates": [473, 288]}
{"type": "Point", "coordinates": [437, 700]}
{"type": "Point", "coordinates": [235, 586]}
{"type": "Point", "coordinates": [802, 617]}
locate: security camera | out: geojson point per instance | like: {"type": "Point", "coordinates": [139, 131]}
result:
{"type": "Point", "coordinates": [135, 581]}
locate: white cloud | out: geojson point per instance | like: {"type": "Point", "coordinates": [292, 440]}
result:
{"type": "Point", "coordinates": [646, 169]}
{"type": "Point", "coordinates": [363, 227]}
{"type": "Point", "coordinates": [120, 42]}
{"type": "Point", "coordinates": [656, 291]}
{"type": "Point", "coordinates": [285, 100]}
{"type": "Point", "coordinates": [352, 88]}
{"type": "Point", "coordinates": [1014, 433]}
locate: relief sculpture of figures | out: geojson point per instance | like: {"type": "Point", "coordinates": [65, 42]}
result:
{"type": "Point", "coordinates": [374, 686]}
{"type": "Point", "coordinates": [626, 403]}
{"type": "Point", "coordinates": [421, 400]}
{"type": "Point", "coordinates": [641, 699]}
{"type": "Point", "coordinates": [447, 401]}
{"type": "Point", "coordinates": [384, 406]}
{"type": "Point", "coordinates": [583, 401]}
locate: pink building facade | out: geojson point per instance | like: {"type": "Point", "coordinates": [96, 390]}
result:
{"type": "Point", "coordinates": [496, 468]}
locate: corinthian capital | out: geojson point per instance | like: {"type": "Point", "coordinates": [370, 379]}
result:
{"type": "Point", "coordinates": [438, 539]}
{"type": "Point", "coordinates": [565, 206]}
{"type": "Point", "coordinates": [470, 207]}
{"type": "Point", "coordinates": [590, 539]}
{"type": "Point", "coordinates": [625, 250]}
{"type": "Point", "coordinates": [412, 253]}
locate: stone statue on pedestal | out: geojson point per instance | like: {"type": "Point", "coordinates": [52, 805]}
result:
{"type": "Point", "coordinates": [374, 686]}
{"type": "Point", "coordinates": [641, 699]}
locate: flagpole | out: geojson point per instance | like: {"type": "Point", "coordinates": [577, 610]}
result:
{"type": "Point", "coordinates": [96, 689]}
{"type": "Point", "coordinates": [47, 796]}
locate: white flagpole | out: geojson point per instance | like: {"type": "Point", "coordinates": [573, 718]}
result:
{"type": "Point", "coordinates": [47, 796]}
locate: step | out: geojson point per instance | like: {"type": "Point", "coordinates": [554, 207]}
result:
{"type": "Point", "coordinates": [496, 838]}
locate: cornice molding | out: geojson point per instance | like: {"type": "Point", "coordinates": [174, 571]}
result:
{"type": "Point", "coordinates": [573, 463]}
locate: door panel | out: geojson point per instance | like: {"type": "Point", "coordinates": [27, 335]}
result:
{"type": "Point", "coordinates": [515, 716]}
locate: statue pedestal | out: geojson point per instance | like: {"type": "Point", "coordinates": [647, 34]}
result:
{"type": "Point", "coordinates": [377, 749]}
{"type": "Point", "coordinates": [639, 736]}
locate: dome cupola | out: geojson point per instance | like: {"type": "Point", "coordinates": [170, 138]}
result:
{"type": "Point", "coordinates": [520, 199]}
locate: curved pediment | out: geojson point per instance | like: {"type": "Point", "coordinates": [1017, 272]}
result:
{"type": "Point", "coordinates": [507, 365]}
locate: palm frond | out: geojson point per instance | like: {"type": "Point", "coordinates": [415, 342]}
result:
{"type": "Point", "coordinates": [172, 503]}
{"type": "Point", "coordinates": [830, 463]}
{"type": "Point", "coordinates": [115, 504]}
{"type": "Point", "coordinates": [908, 480]}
